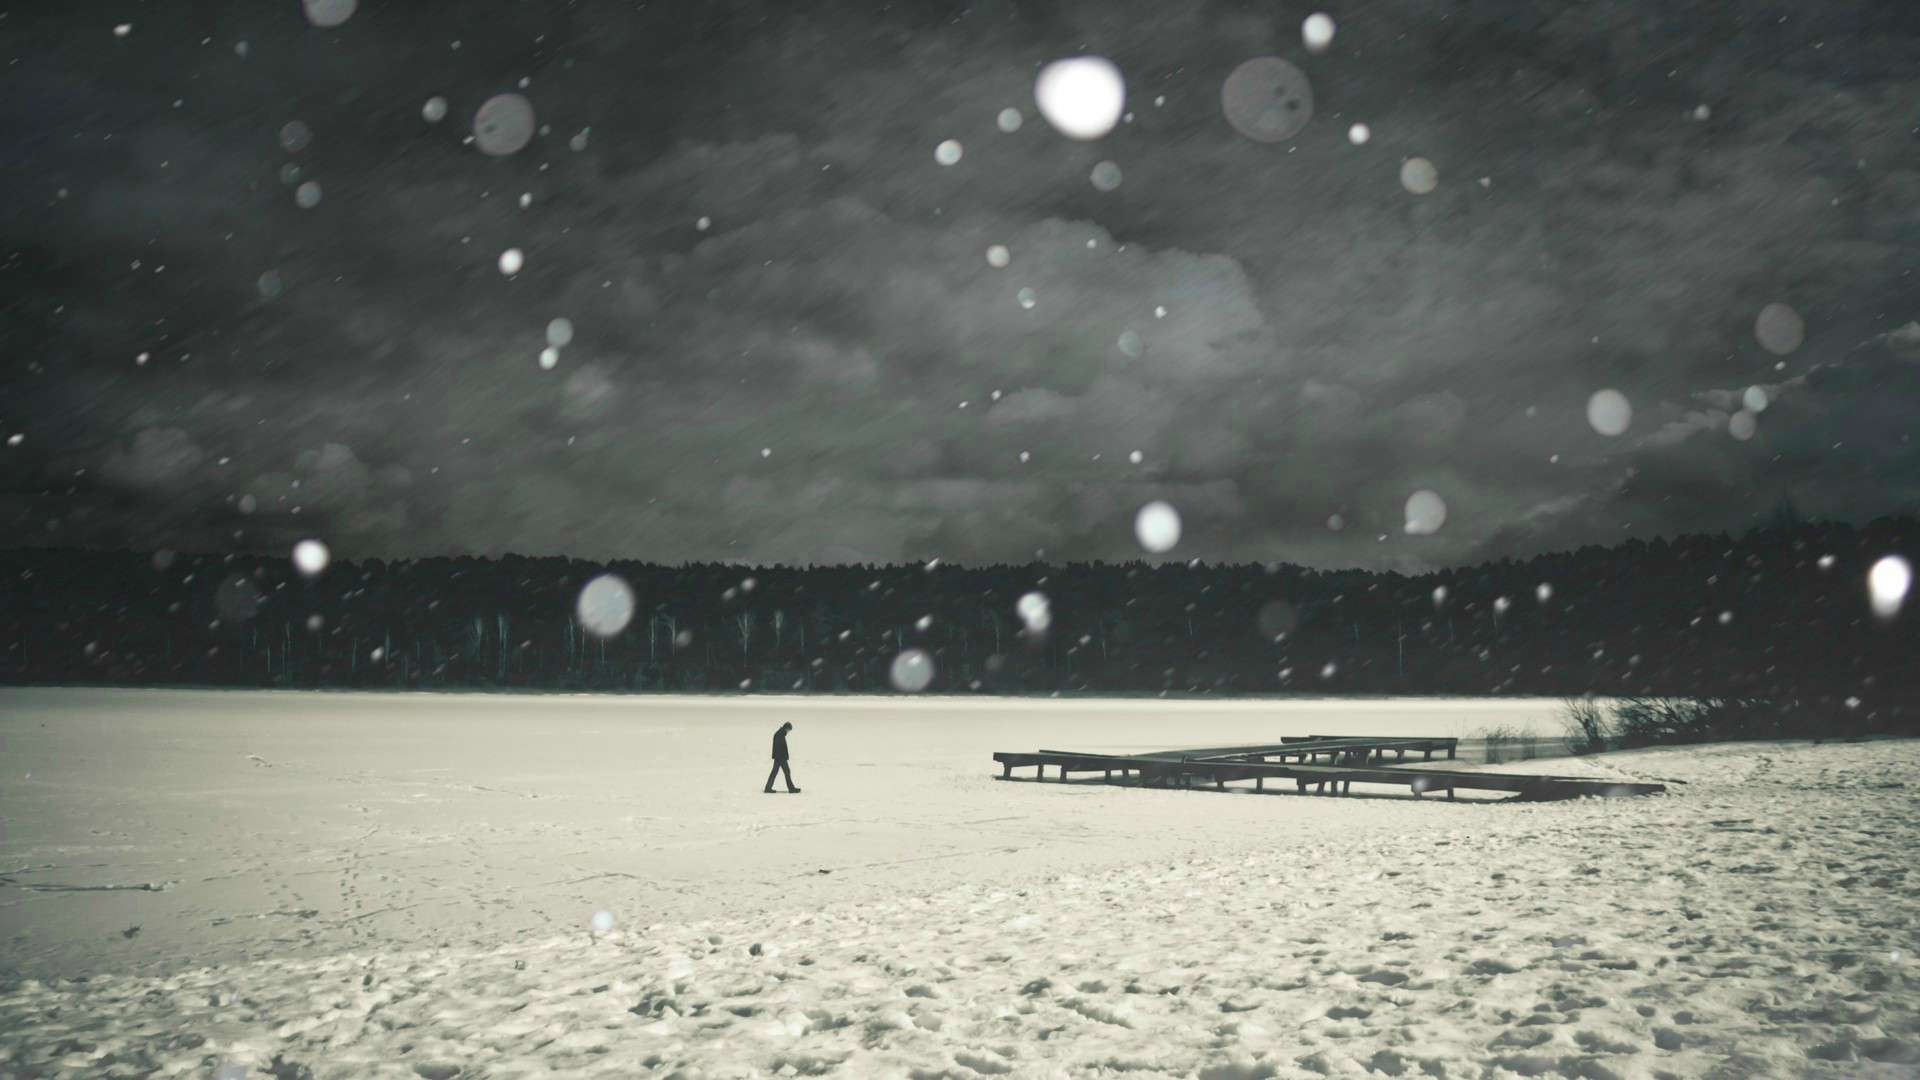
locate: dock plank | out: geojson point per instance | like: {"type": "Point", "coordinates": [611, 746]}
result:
{"type": "Point", "coordinates": [1181, 768]}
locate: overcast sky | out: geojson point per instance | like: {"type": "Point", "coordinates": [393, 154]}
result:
{"type": "Point", "coordinates": [832, 371]}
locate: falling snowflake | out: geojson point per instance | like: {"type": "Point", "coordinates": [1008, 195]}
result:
{"type": "Point", "coordinates": [503, 125]}
{"type": "Point", "coordinates": [1157, 526]}
{"type": "Point", "coordinates": [328, 14]}
{"type": "Point", "coordinates": [1316, 32]}
{"type": "Point", "coordinates": [1609, 412]}
{"type": "Point", "coordinates": [1779, 329]}
{"type": "Point", "coordinates": [912, 671]}
{"type": "Point", "coordinates": [1035, 611]}
{"type": "Point", "coordinates": [1426, 511]}
{"type": "Point", "coordinates": [1419, 176]}
{"type": "Point", "coordinates": [1267, 99]}
{"type": "Point", "coordinates": [605, 605]}
{"type": "Point", "coordinates": [1887, 585]}
{"type": "Point", "coordinates": [1082, 97]}
{"type": "Point", "coordinates": [311, 557]}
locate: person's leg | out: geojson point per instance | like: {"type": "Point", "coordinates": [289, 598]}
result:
{"type": "Point", "coordinates": [786, 769]}
{"type": "Point", "coordinates": [775, 771]}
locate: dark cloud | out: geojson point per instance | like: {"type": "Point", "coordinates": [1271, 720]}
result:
{"type": "Point", "coordinates": [831, 370]}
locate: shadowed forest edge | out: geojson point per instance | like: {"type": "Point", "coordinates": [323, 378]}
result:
{"type": "Point", "coordinates": [1773, 627]}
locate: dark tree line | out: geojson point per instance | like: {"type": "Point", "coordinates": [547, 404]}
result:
{"type": "Point", "coordinates": [1780, 613]}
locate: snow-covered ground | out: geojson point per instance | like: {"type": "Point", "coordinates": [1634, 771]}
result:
{"type": "Point", "coordinates": [404, 886]}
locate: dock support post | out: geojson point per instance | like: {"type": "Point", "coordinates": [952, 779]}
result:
{"type": "Point", "coordinates": [1450, 751]}
{"type": "Point", "coordinates": [1109, 776]}
{"type": "Point", "coordinates": [1449, 794]}
{"type": "Point", "coordinates": [1220, 783]}
{"type": "Point", "coordinates": [1259, 783]}
{"type": "Point", "coordinates": [1006, 770]}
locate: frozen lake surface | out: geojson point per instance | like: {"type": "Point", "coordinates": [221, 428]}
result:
{"type": "Point", "coordinates": [429, 817]}
{"type": "Point", "coordinates": [360, 886]}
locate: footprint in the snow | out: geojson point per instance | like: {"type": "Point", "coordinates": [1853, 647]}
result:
{"type": "Point", "coordinates": [1594, 1042]}
{"type": "Point", "coordinates": [1524, 1038]}
{"type": "Point", "coordinates": [1568, 999]}
{"type": "Point", "coordinates": [980, 1063]}
{"type": "Point", "coordinates": [806, 1064]}
{"type": "Point", "coordinates": [1093, 1010]}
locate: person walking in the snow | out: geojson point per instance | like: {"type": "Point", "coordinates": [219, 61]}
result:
{"type": "Point", "coordinates": [780, 760]}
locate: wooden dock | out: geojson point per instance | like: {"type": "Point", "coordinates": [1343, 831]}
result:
{"type": "Point", "coordinates": [1349, 760]}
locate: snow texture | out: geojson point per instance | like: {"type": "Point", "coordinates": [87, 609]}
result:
{"type": "Point", "coordinates": [368, 886]}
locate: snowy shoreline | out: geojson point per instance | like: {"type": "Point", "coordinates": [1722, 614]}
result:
{"type": "Point", "coordinates": [729, 697]}
{"type": "Point", "coordinates": [1538, 940]}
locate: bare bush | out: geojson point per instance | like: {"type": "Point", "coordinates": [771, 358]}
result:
{"type": "Point", "coordinates": [1587, 726]}
{"type": "Point", "coordinates": [1501, 742]}
{"type": "Point", "coordinates": [1654, 721]}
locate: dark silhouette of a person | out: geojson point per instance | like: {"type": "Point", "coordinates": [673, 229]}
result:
{"type": "Point", "coordinates": [780, 760]}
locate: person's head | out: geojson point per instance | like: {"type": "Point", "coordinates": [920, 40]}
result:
{"type": "Point", "coordinates": [788, 726]}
